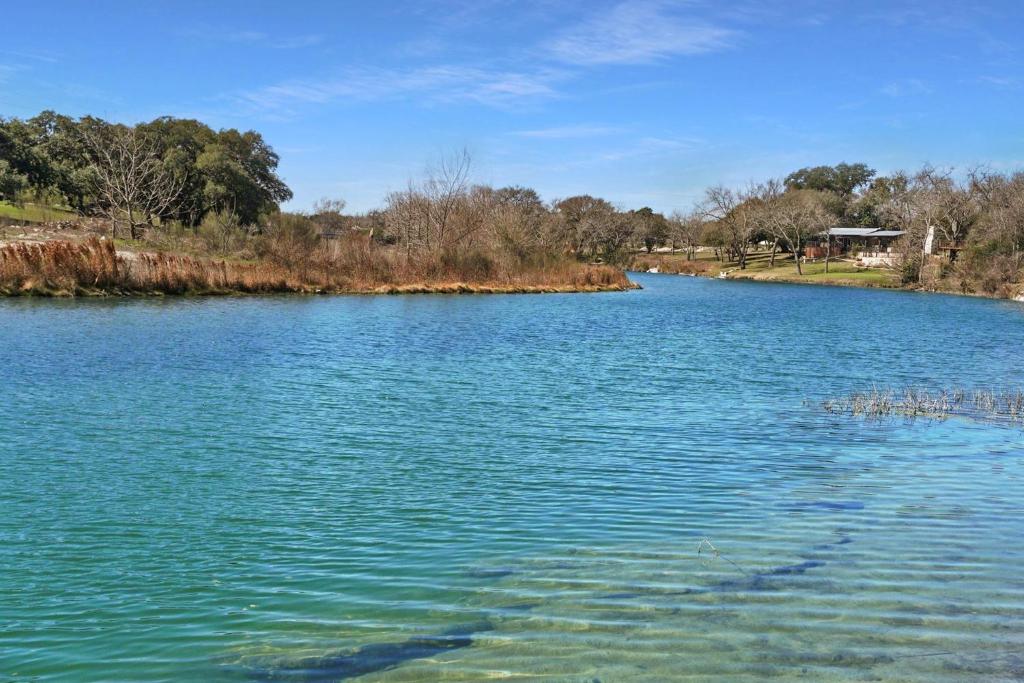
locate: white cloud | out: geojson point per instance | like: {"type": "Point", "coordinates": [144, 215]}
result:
{"type": "Point", "coordinates": [7, 71]}
{"type": "Point", "coordinates": [1007, 83]}
{"type": "Point", "coordinates": [906, 88]}
{"type": "Point", "coordinates": [254, 38]}
{"type": "Point", "coordinates": [34, 55]}
{"type": "Point", "coordinates": [433, 84]}
{"type": "Point", "coordinates": [638, 33]}
{"type": "Point", "coordinates": [567, 132]}
{"type": "Point", "coordinates": [654, 147]}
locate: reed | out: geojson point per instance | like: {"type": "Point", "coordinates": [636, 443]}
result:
{"type": "Point", "coordinates": [1000, 405]}
{"type": "Point", "coordinates": [94, 267]}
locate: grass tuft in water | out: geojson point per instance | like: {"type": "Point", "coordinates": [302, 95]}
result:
{"type": "Point", "coordinates": [995, 405]}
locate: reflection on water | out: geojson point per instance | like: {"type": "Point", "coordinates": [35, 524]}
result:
{"type": "Point", "coordinates": [612, 487]}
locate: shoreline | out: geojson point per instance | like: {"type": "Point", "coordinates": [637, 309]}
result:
{"type": "Point", "coordinates": [788, 280]}
{"type": "Point", "coordinates": [384, 290]}
{"type": "Point", "coordinates": [96, 268]}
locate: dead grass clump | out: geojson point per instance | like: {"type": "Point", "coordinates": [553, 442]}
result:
{"type": "Point", "coordinates": [999, 405]}
{"type": "Point", "coordinates": [94, 267]}
{"type": "Point", "coordinates": [58, 267]}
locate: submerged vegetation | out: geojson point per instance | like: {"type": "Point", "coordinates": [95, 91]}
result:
{"type": "Point", "coordinates": [1002, 405]}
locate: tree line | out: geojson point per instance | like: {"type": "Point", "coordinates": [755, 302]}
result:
{"type": "Point", "coordinates": [975, 217]}
{"type": "Point", "coordinates": [165, 170]}
{"type": "Point", "coordinates": [220, 189]}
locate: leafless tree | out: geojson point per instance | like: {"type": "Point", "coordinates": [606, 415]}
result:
{"type": "Point", "coordinates": [444, 188]}
{"type": "Point", "coordinates": [793, 216]}
{"type": "Point", "coordinates": [584, 220]}
{"type": "Point", "coordinates": [1002, 220]}
{"type": "Point", "coordinates": [436, 214]}
{"type": "Point", "coordinates": [132, 183]}
{"type": "Point", "coordinates": [948, 207]}
{"type": "Point", "coordinates": [734, 214]}
{"type": "Point", "coordinates": [687, 228]}
{"type": "Point", "coordinates": [516, 219]}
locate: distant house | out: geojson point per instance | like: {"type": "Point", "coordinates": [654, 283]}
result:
{"type": "Point", "coordinates": [870, 246]}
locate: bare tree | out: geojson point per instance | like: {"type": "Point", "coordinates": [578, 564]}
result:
{"type": "Point", "coordinates": [793, 216]}
{"type": "Point", "coordinates": [737, 218]}
{"type": "Point", "coordinates": [436, 214]}
{"type": "Point", "coordinates": [687, 228]}
{"type": "Point", "coordinates": [1002, 221]}
{"type": "Point", "coordinates": [131, 181]}
{"type": "Point", "coordinates": [584, 222]}
{"type": "Point", "coordinates": [950, 208]}
{"type": "Point", "coordinates": [444, 189]}
{"type": "Point", "coordinates": [516, 218]}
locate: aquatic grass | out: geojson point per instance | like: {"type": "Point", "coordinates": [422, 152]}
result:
{"type": "Point", "coordinates": [998, 405]}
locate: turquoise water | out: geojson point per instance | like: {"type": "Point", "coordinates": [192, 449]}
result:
{"type": "Point", "coordinates": [485, 487]}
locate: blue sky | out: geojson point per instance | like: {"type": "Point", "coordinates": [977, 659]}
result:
{"type": "Point", "coordinates": [643, 103]}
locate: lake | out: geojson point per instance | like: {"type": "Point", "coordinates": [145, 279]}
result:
{"type": "Point", "coordinates": [635, 486]}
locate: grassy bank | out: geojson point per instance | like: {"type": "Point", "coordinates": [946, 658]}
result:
{"type": "Point", "coordinates": [33, 213]}
{"type": "Point", "coordinates": [94, 267]}
{"type": "Point", "coordinates": [759, 268]}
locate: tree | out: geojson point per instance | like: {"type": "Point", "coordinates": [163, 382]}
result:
{"type": "Point", "coordinates": [649, 227]}
{"type": "Point", "coordinates": [842, 179]}
{"type": "Point", "coordinates": [444, 187]}
{"type": "Point", "coordinates": [686, 229]}
{"type": "Point", "coordinates": [239, 170]}
{"type": "Point", "coordinates": [582, 220]}
{"type": "Point", "coordinates": [131, 181]}
{"type": "Point", "coordinates": [517, 218]}
{"type": "Point", "coordinates": [793, 216]}
{"type": "Point", "coordinates": [180, 143]}
{"type": "Point", "coordinates": [11, 182]}
{"type": "Point", "coordinates": [736, 216]}
{"type": "Point", "coordinates": [952, 209]}
{"type": "Point", "coordinates": [329, 217]}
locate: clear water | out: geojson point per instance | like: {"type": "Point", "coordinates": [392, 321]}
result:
{"type": "Point", "coordinates": [465, 488]}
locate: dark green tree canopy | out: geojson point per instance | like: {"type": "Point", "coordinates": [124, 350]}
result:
{"type": "Point", "coordinates": [224, 170]}
{"type": "Point", "coordinates": [842, 179]}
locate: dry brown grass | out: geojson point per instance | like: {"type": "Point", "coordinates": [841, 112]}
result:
{"type": "Point", "coordinates": [93, 267]}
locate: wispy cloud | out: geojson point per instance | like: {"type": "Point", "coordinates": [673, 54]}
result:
{"type": "Point", "coordinates": [34, 55]}
{"type": "Point", "coordinates": [638, 33]}
{"type": "Point", "coordinates": [906, 88]}
{"type": "Point", "coordinates": [654, 146]}
{"type": "Point", "coordinates": [1004, 82]}
{"type": "Point", "coordinates": [6, 71]}
{"type": "Point", "coordinates": [254, 38]}
{"type": "Point", "coordinates": [451, 83]}
{"type": "Point", "coordinates": [568, 132]}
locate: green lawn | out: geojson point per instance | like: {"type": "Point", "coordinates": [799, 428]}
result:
{"type": "Point", "coordinates": [34, 213]}
{"type": "Point", "coordinates": [840, 272]}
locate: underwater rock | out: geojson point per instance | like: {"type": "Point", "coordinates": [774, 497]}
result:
{"type": "Point", "coordinates": [793, 568]}
{"type": "Point", "coordinates": [369, 658]}
{"type": "Point", "coordinates": [519, 607]}
{"type": "Point", "coordinates": [828, 546]}
{"type": "Point", "coordinates": [489, 572]}
{"type": "Point", "coordinates": [754, 582]}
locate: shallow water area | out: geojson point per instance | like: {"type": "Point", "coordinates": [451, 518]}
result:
{"type": "Point", "coordinates": [618, 486]}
